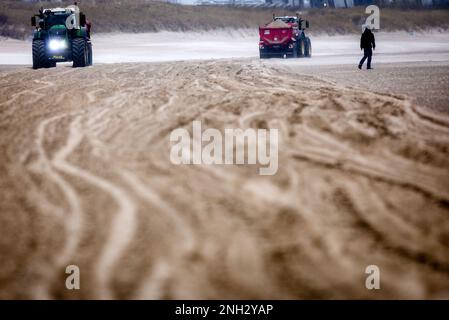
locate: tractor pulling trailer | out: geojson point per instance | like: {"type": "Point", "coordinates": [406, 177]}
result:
{"type": "Point", "coordinates": [285, 37]}
{"type": "Point", "coordinates": [59, 37]}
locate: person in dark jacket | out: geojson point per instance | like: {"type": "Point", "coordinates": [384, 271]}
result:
{"type": "Point", "coordinates": [367, 44]}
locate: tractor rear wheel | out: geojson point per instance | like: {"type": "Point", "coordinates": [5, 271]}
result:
{"type": "Point", "coordinates": [308, 51]}
{"type": "Point", "coordinates": [79, 53]}
{"type": "Point", "coordinates": [39, 56]}
{"type": "Point", "coordinates": [301, 47]}
{"type": "Point", "coordinates": [89, 54]}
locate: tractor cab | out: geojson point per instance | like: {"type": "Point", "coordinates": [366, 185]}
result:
{"type": "Point", "coordinates": [53, 18]}
{"type": "Point", "coordinates": [64, 17]}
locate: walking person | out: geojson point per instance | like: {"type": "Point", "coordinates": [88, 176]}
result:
{"type": "Point", "coordinates": [367, 44]}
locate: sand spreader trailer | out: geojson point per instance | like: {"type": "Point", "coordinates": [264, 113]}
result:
{"type": "Point", "coordinates": [285, 37]}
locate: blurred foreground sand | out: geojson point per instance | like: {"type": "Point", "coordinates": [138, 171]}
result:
{"type": "Point", "coordinates": [85, 179]}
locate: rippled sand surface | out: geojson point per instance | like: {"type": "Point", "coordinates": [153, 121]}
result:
{"type": "Point", "coordinates": [86, 179]}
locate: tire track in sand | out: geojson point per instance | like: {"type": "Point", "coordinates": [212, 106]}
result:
{"type": "Point", "coordinates": [123, 224]}
{"type": "Point", "coordinates": [152, 286]}
{"type": "Point", "coordinates": [74, 220]}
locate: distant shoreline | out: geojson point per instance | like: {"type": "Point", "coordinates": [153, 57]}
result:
{"type": "Point", "coordinates": [165, 46]}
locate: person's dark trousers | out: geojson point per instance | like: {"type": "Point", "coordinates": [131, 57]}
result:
{"type": "Point", "coordinates": [368, 53]}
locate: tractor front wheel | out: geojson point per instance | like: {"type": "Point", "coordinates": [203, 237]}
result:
{"type": "Point", "coordinates": [80, 53]}
{"type": "Point", "coordinates": [295, 51]}
{"type": "Point", "coordinates": [39, 55]}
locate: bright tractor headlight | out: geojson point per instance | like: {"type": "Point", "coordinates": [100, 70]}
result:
{"type": "Point", "coordinates": [56, 44]}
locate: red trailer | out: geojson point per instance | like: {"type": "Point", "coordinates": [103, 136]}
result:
{"type": "Point", "coordinates": [284, 37]}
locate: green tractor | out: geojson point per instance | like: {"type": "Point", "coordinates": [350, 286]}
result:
{"type": "Point", "coordinates": [61, 35]}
